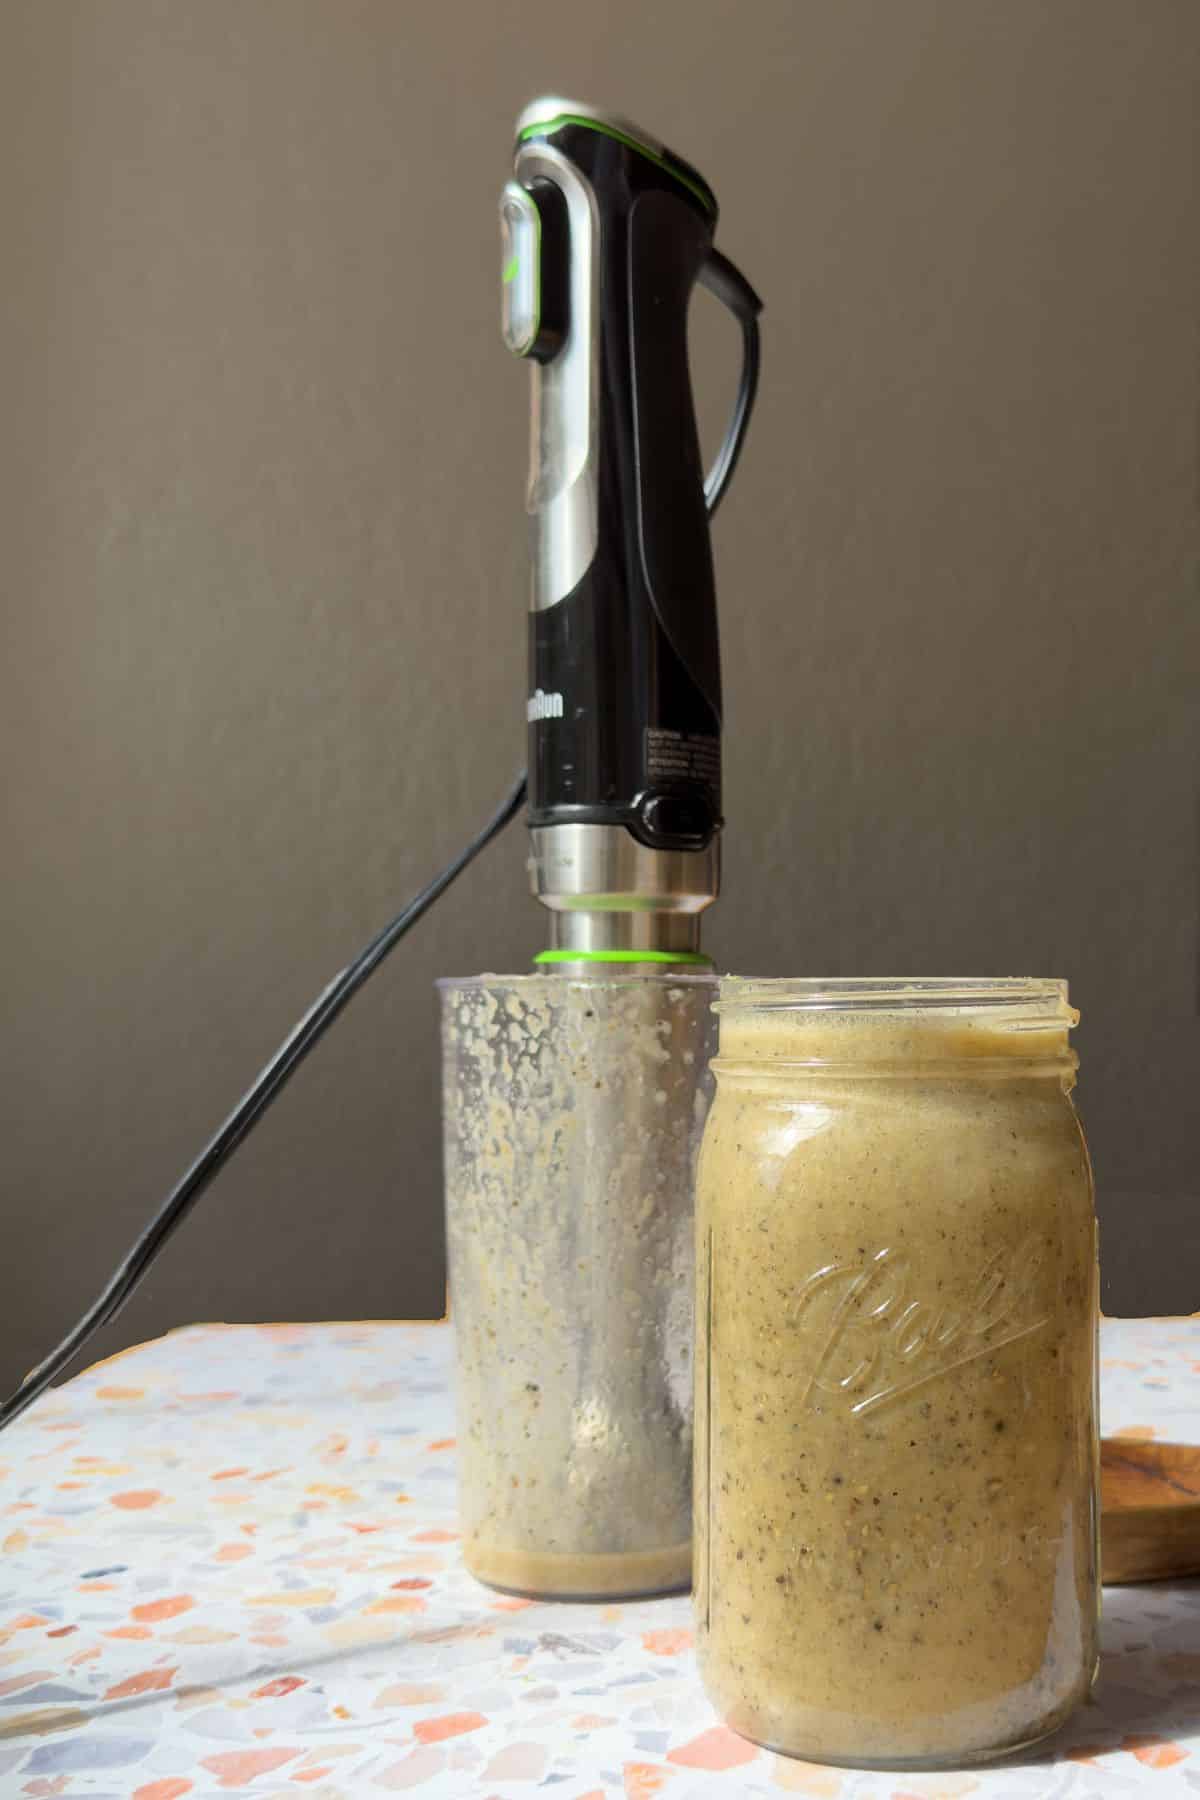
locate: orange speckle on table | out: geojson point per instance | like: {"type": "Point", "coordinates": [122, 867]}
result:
{"type": "Point", "coordinates": [1154, 1752]}
{"type": "Point", "coordinates": [1141, 1432]}
{"type": "Point", "coordinates": [120, 1393]}
{"type": "Point", "coordinates": [397, 1603]}
{"type": "Point", "coordinates": [447, 1725]}
{"type": "Point", "coordinates": [275, 1690]}
{"type": "Point", "coordinates": [229, 1474]}
{"type": "Point", "coordinates": [192, 1695]}
{"type": "Point", "coordinates": [148, 1681]}
{"type": "Point", "coordinates": [667, 1642]}
{"type": "Point", "coordinates": [417, 1767]}
{"type": "Point", "coordinates": [329, 1754]}
{"type": "Point", "coordinates": [83, 1656]}
{"type": "Point", "coordinates": [520, 1761]}
{"type": "Point", "coordinates": [130, 1631]}
{"type": "Point", "coordinates": [644, 1779]}
{"type": "Point", "coordinates": [28, 1679]}
{"type": "Point", "coordinates": [69, 1486]}
{"type": "Point", "coordinates": [134, 1499]}
{"type": "Point", "coordinates": [171, 1789]}
{"type": "Point", "coordinates": [442, 1444]}
{"type": "Point", "coordinates": [311, 1774]}
{"type": "Point", "coordinates": [818, 1782]}
{"type": "Point", "coordinates": [403, 1499]}
{"type": "Point", "coordinates": [342, 1712]}
{"type": "Point", "coordinates": [16, 1540]}
{"type": "Point", "coordinates": [718, 1748]}
{"type": "Point", "coordinates": [97, 1587]}
{"type": "Point", "coordinates": [270, 1474]}
{"type": "Point", "coordinates": [510, 1603]}
{"type": "Point", "coordinates": [233, 1552]}
{"type": "Point", "coordinates": [413, 1582]}
{"type": "Point", "coordinates": [248, 1529]}
{"type": "Point", "coordinates": [234, 1768]}
{"type": "Point", "coordinates": [452, 1634]}
{"type": "Point", "coordinates": [317, 1596]}
{"type": "Point", "coordinates": [62, 1631]}
{"type": "Point", "coordinates": [591, 1721]}
{"type": "Point", "coordinates": [27, 1621]}
{"type": "Point", "coordinates": [151, 1611]}
{"type": "Point", "coordinates": [273, 1640]}
{"type": "Point", "coordinates": [434, 1535]}
{"type": "Point", "coordinates": [362, 1530]}
{"type": "Point", "coordinates": [407, 1693]}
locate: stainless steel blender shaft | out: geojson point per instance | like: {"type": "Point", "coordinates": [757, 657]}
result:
{"type": "Point", "coordinates": [606, 892]}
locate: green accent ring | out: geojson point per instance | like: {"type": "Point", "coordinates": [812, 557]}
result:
{"type": "Point", "coordinates": [544, 127]}
{"type": "Point", "coordinates": [696, 958]}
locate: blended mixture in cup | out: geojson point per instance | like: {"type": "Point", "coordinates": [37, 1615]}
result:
{"type": "Point", "coordinates": [573, 1110]}
{"type": "Point", "coordinates": [896, 1491]}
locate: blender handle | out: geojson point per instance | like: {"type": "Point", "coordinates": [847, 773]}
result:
{"type": "Point", "coordinates": [730, 287]}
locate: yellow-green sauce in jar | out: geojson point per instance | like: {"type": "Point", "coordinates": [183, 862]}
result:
{"type": "Point", "coordinates": [895, 1497]}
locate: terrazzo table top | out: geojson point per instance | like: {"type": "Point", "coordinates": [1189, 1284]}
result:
{"type": "Point", "coordinates": [229, 1565]}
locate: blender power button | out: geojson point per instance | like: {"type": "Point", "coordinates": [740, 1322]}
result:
{"type": "Point", "coordinates": [676, 816]}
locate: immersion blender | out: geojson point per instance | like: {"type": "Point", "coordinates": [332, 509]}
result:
{"type": "Point", "coordinates": [573, 1098]}
{"type": "Point", "coordinates": [569, 1137]}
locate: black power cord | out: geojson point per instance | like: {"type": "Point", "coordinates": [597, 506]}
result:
{"type": "Point", "coordinates": [731, 288]}
{"type": "Point", "coordinates": [246, 1114]}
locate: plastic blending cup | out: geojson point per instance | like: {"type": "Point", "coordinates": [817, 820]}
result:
{"type": "Point", "coordinates": [573, 1111]}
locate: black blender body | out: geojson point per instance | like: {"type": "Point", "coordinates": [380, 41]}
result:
{"type": "Point", "coordinates": [606, 235]}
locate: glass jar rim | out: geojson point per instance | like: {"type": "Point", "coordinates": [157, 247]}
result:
{"type": "Point", "coordinates": [1039, 1000]}
{"type": "Point", "coordinates": [615, 973]}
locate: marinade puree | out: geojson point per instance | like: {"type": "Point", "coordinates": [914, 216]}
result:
{"type": "Point", "coordinates": [573, 1111]}
{"type": "Point", "coordinates": [895, 1542]}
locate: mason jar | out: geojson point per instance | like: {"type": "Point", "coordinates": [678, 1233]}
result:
{"type": "Point", "coordinates": [572, 1112]}
{"type": "Point", "coordinates": [896, 1451]}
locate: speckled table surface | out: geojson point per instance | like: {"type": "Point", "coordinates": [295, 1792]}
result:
{"type": "Point", "coordinates": [228, 1564]}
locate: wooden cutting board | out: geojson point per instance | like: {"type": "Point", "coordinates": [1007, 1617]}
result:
{"type": "Point", "coordinates": [1150, 1510]}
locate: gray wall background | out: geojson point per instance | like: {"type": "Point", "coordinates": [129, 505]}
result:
{"type": "Point", "coordinates": [264, 576]}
